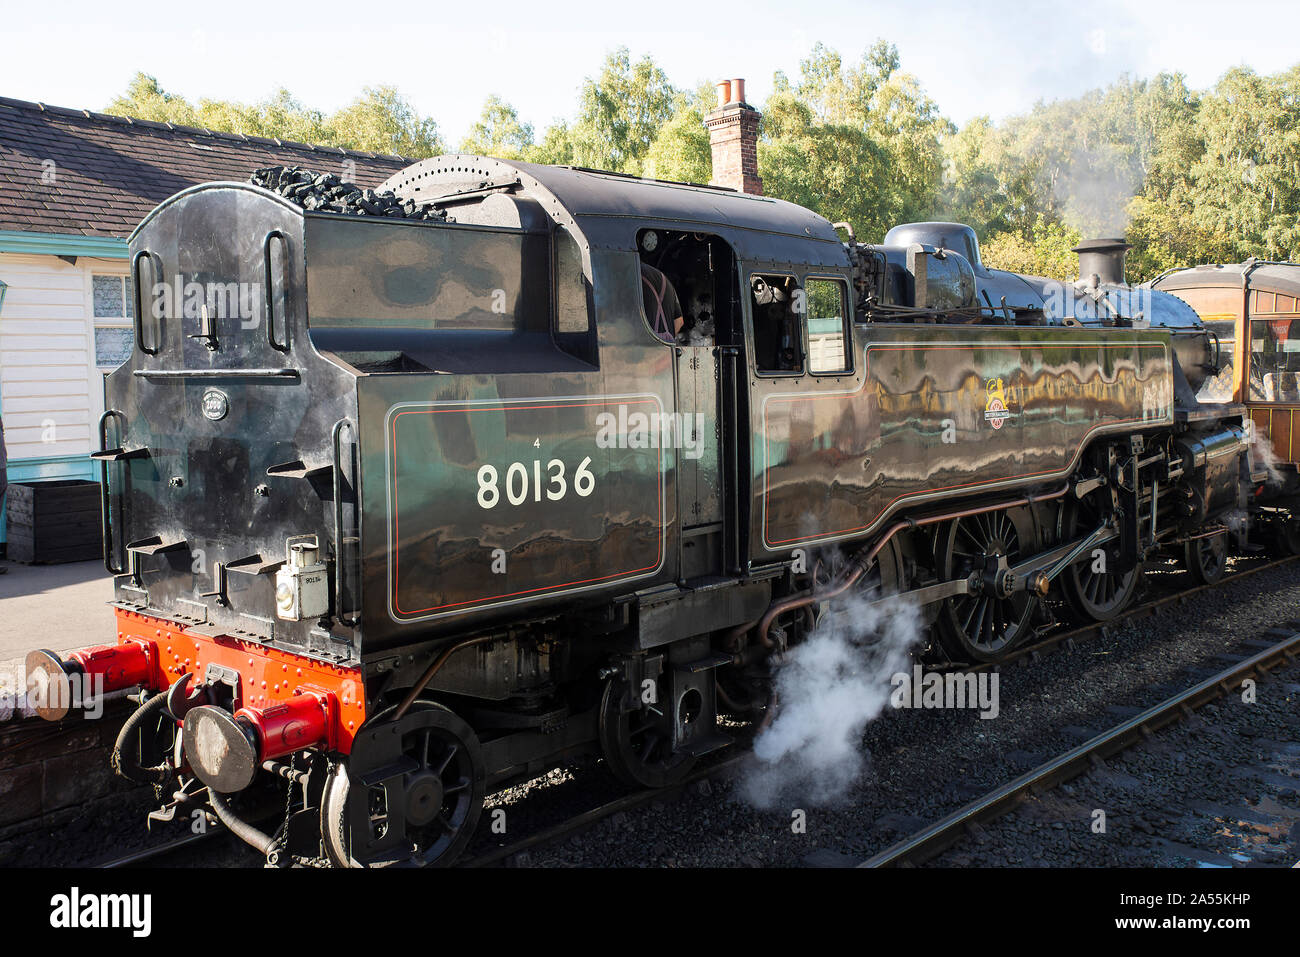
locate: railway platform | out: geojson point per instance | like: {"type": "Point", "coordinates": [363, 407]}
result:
{"type": "Point", "coordinates": [52, 772]}
{"type": "Point", "coordinates": [59, 607]}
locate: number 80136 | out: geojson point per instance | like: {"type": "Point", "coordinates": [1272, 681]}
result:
{"type": "Point", "coordinates": [522, 483]}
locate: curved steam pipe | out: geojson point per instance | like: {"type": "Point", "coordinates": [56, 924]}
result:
{"type": "Point", "coordinates": [433, 670]}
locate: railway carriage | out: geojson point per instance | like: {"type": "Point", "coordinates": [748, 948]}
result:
{"type": "Point", "coordinates": [1252, 310]}
{"type": "Point", "coordinates": [404, 509]}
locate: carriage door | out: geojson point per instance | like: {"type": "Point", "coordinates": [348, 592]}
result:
{"type": "Point", "coordinates": [693, 276]}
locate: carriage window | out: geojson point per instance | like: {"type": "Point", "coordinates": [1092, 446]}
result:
{"type": "Point", "coordinates": [777, 303]}
{"type": "Point", "coordinates": [827, 302]}
{"type": "Point", "coordinates": [1275, 360]}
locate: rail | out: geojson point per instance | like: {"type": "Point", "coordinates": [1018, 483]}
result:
{"type": "Point", "coordinates": [930, 841]}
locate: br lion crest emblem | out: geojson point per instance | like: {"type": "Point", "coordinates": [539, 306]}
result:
{"type": "Point", "coordinates": [995, 410]}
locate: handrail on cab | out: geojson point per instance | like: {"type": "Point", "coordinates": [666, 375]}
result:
{"type": "Point", "coordinates": [336, 437]}
{"type": "Point", "coordinates": [1215, 366]}
{"type": "Point", "coordinates": [105, 523]}
{"type": "Point", "coordinates": [270, 302]}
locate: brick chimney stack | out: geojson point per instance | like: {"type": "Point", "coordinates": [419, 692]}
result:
{"type": "Point", "coordinates": [733, 138]}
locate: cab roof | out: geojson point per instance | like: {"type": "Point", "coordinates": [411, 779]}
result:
{"type": "Point", "coordinates": [608, 209]}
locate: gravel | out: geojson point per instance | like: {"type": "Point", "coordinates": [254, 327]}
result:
{"type": "Point", "coordinates": [1216, 790]}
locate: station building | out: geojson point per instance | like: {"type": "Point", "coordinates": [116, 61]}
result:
{"type": "Point", "coordinates": [73, 185]}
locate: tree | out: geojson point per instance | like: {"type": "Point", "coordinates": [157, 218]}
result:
{"type": "Point", "coordinates": [974, 188]}
{"type": "Point", "coordinates": [620, 113]}
{"type": "Point", "coordinates": [146, 100]}
{"type": "Point", "coordinates": [1045, 252]}
{"type": "Point", "coordinates": [1246, 181]}
{"type": "Point", "coordinates": [862, 144]}
{"type": "Point", "coordinates": [381, 120]}
{"type": "Point", "coordinates": [280, 117]}
{"type": "Point", "coordinates": [499, 132]}
{"type": "Point", "coordinates": [681, 150]}
{"type": "Point", "coordinates": [832, 168]}
{"type": "Point", "coordinates": [1116, 161]}
{"type": "Point", "coordinates": [556, 147]}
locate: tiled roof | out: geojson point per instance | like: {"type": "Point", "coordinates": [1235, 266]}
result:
{"type": "Point", "coordinates": [109, 171]}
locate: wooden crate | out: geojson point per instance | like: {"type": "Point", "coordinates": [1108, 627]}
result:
{"type": "Point", "coordinates": [51, 522]}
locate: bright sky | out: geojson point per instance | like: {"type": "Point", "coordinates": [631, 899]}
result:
{"type": "Point", "coordinates": [995, 57]}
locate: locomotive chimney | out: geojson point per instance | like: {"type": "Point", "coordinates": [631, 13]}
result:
{"type": "Point", "coordinates": [1103, 258]}
{"type": "Point", "coordinates": [733, 139]}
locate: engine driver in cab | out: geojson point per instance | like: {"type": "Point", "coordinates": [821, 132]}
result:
{"type": "Point", "coordinates": [662, 307]}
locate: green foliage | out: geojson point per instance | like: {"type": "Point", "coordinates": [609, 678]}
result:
{"type": "Point", "coordinates": [146, 100]}
{"type": "Point", "coordinates": [382, 121]}
{"type": "Point", "coordinates": [379, 121]}
{"type": "Point", "coordinates": [1248, 179]}
{"type": "Point", "coordinates": [281, 117]}
{"type": "Point", "coordinates": [681, 151]}
{"type": "Point", "coordinates": [1046, 251]}
{"type": "Point", "coordinates": [1187, 176]}
{"type": "Point", "coordinates": [499, 132]}
{"type": "Point", "coordinates": [620, 113]}
{"type": "Point", "coordinates": [862, 144]}
{"type": "Point", "coordinates": [556, 147]}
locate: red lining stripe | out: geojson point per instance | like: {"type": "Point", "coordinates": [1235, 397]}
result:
{"type": "Point", "coordinates": [508, 408]}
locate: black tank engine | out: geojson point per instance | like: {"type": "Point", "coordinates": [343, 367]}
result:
{"type": "Point", "coordinates": [402, 509]}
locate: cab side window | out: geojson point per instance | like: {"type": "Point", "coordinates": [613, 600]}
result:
{"type": "Point", "coordinates": [828, 353]}
{"type": "Point", "coordinates": [777, 305]}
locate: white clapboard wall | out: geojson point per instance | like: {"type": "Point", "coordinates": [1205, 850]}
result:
{"type": "Point", "coordinates": [51, 387]}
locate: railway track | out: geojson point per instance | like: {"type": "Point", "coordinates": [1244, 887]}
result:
{"type": "Point", "coordinates": [155, 855]}
{"type": "Point", "coordinates": [931, 841]}
{"type": "Point", "coordinates": [517, 851]}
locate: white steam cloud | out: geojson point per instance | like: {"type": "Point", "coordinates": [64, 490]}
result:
{"type": "Point", "coordinates": [1262, 454]}
{"type": "Point", "coordinates": [828, 688]}
{"type": "Point", "coordinates": [1095, 188]}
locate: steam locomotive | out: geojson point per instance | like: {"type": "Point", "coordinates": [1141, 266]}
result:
{"type": "Point", "coordinates": [403, 510]}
